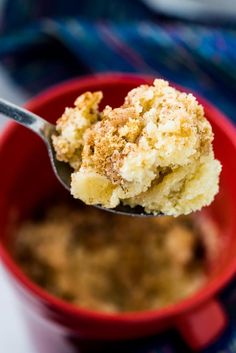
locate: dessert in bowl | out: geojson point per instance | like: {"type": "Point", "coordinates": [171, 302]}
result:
{"type": "Point", "coordinates": [28, 181]}
{"type": "Point", "coordinates": [114, 263]}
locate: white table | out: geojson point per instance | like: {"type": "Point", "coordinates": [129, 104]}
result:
{"type": "Point", "coordinates": [13, 334]}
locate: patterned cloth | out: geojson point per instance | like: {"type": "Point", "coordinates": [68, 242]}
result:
{"type": "Point", "coordinates": [45, 42]}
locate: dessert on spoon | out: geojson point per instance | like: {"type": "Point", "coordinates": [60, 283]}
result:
{"type": "Point", "coordinates": [154, 152]}
{"type": "Point", "coordinates": [151, 156]}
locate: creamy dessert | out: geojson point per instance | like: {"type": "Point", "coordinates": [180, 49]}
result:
{"type": "Point", "coordinates": [154, 151]}
{"type": "Point", "coordinates": [113, 263]}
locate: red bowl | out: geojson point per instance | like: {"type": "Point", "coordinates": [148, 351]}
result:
{"type": "Point", "coordinates": [26, 178]}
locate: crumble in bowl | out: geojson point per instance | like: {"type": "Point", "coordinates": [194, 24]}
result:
{"type": "Point", "coordinates": [111, 263]}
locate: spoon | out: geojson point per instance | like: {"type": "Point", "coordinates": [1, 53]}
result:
{"type": "Point", "coordinates": [61, 169]}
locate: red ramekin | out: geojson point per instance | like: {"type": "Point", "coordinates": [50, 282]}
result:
{"type": "Point", "coordinates": [26, 178]}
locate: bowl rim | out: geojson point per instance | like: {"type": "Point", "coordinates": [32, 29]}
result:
{"type": "Point", "coordinates": [204, 294]}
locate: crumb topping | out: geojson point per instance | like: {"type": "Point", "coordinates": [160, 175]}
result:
{"type": "Point", "coordinates": [115, 264]}
{"type": "Point", "coordinates": [158, 134]}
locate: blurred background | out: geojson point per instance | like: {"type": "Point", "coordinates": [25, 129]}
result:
{"type": "Point", "coordinates": [42, 43]}
{"type": "Point", "coordinates": [191, 42]}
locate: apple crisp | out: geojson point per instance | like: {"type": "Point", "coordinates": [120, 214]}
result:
{"type": "Point", "coordinates": [154, 151]}
{"type": "Point", "coordinates": [112, 263]}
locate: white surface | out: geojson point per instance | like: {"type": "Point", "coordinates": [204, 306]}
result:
{"type": "Point", "coordinates": [192, 9]}
{"type": "Point", "coordinates": [13, 333]}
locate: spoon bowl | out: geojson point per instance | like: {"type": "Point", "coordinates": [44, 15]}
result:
{"type": "Point", "coordinates": [62, 170]}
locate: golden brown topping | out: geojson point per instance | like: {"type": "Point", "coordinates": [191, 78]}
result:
{"type": "Point", "coordinates": [112, 263]}
{"type": "Point", "coordinates": [156, 146]}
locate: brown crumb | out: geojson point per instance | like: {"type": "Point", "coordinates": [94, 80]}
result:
{"type": "Point", "coordinates": [155, 151]}
{"type": "Point", "coordinates": [113, 263]}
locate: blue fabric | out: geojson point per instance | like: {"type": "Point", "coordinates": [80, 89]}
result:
{"type": "Point", "coordinates": [45, 42]}
{"type": "Point", "coordinates": [65, 40]}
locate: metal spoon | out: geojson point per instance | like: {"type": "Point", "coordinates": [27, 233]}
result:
{"type": "Point", "coordinates": [62, 170]}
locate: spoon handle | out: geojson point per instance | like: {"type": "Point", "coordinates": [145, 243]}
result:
{"type": "Point", "coordinates": [26, 118]}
